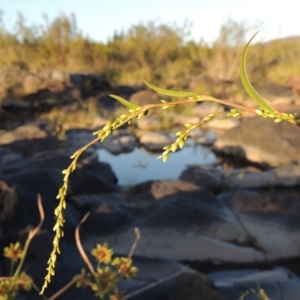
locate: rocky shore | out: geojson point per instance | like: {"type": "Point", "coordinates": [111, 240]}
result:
{"type": "Point", "coordinates": [221, 229]}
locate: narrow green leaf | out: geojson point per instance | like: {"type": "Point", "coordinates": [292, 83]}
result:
{"type": "Point", "coordinates": [125, 102]}
{"type": "Point", "coordinates": [168, 92]}
{"type": "Point", "coordinates": [247, 84]}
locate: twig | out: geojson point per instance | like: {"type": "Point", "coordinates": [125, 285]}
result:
{"type": "Point", "coordinates": [31, 234]}
{"type": "Point", "coordinates": [153, 284]}
{"type": "Point", "coordinates": [79, 245]}
{"type": "Point", "coordinates": [62, 290]}
{"type": "Point", "coordinates": [137, 238]}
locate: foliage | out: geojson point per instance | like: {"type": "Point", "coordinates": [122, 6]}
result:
{"type": "Point", "coordinates": [104, 280]}
{"type": "Point", "coordinates": [259, 293]}
{"type": "Point", "coordinates": [163, 53]}
{"type": "Point", "coordinates": [18, 279]}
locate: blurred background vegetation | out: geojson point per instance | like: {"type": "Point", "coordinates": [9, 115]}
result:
{"type": "Point", "coordinates": [162, 53]}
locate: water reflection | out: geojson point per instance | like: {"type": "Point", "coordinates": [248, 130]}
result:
{"type": "Point", "coordinates": [141, 165]}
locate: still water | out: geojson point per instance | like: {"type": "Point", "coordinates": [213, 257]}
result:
{"type": "Point", "coordinates": [140, 165]}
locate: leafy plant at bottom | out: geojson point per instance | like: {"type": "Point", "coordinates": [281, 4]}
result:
{"type": "Point", "coordinates": [259, 293]}
{"type": "Point", "coordinates": [18, 279]}
{"type": "Point", "coordinates": [109, 272]}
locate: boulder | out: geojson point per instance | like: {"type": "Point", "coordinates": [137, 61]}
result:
{"type": "Point", "coordinates": [207, 138]}
{"type": "Point", "coordinates": [119, 141]}
{"type": "Point", "coordinates": [150, 123]}
{"type": "Point", "coordinates": [224, 124]}
{"type": "Point", "coordinates": [9, 157]}
{"type": "Point", "coordinates": [206, 108]}
{"type": "Point", "coordinates": [179, 221]}
{"type": "Point", "coordinates": [28, 138]}
{"type": "Point", "coordinates": [144, 97]}
{"type": "Point", "coordinates": [283, 176]}
{"type": "Point", "coordinates": [293, 83]}
{"type": "Point", "coordinates": [271, 219]}
{"type": "Point", "coordinates": [208, 178]}
{"type": "Point", "coordinates": [262, 141]}
{"type": "Point", "coordinates": [25, 132]}
{"type": "Point", "coordinates": [88, 83]}
{"type": "Point", "coordinates": [8, 202]}
{"type": "Point", "coordinates": [276, 94]}
{"type": "Point", "coordinates": [182, 120]}
{"type": "Point", "coordinates": [193, 286]}
{"type": "Point", "coordinates": [155, 141]}
{"type": "Point", "coordinates": [34, 83]}
{"type": "Point", "coordinates": [42, 174]}
{"type": "Point", "coordinates": [278, 283]}
{"type": "Point", "coordinates": [11, 81]}
{"type": "Point", "coordinates": [77, 138]}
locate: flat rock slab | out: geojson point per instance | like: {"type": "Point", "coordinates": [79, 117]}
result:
{"type": "Point", "coordinates": [177, 221]}
{"type": "Point", "coordinates": [217, 180]}
{"type": "Point", "coordinates": [278, 283]}
{"type": "Point", "coordinates": [262, 141]}
{"type": "Point", "coordinates": [272, 220]}
{"type": "Point", "coordinates": [283, 176]}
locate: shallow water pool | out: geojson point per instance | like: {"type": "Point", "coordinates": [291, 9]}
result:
{"type": "Point", "coordinates": [141, 165]}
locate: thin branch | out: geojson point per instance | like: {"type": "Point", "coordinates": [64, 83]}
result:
{"type": "Point", "coordinates": [31, 234]}
{"type": "Point", "coordinates": [79, 245]}
{"type": "Point", "coordinates": [62, 290]}
{"type": "Point", "coordinates": [153, 284]}
{"type": "Point", "coordinates": [137, 238]}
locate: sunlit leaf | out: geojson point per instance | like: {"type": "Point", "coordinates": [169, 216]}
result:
{"type": "Point", "coordinates": [247, 84]}
{"type": "Point", "coordinates": [125, 102]}
{"type": "Point", "coordinates": [168, 92]}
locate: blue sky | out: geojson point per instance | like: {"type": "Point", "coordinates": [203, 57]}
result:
{"type": "Point", "coordinates": [100, 18]}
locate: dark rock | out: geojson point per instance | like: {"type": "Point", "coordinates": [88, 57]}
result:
{"type": "Point", "coordinates": [89, 83]}
{"type": "Point", "coordinates": [279, 283]}
{"type": "Point", "coordinates": [144, 97]}
{"type": "Point", "coordinates": [77, 138]}
{"type": "Point", "coordinates": [105, 214]}
{"type": "Point", "coordinates": [272, 220]}
{"type": "Point", "coordinates": [28, 139]}
{"type": "Point", "coordinates": [119, 141]}
{"type": "Point", "coordinates": [107, 102]}
{"type": "Point", "coordinates": [275, 93]}
{"type": "Point", "coordinates": [262, 141]}
{"type": "Point", "coordinates": [193, 286]}
{"type": "Point", "coordinates": [25, 132]}
{"type": "Point", "coordinates": [125, 91]}
{"type": "Point", "coordinates": [187, 223]}
{"type": "Point", "coordinates": [283, 176]}
{"type": "Point", "coordinates": [8, 203]}
{"type": "Point", "coordinates": [208, 178]}
{"type": "Point", "coordinates": [14, 105]}
{"type": "Point", "coordinates": [42, 174]}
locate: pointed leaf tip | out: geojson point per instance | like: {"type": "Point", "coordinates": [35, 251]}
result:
{"type": "Point", "coordinates": [247, 84]}
{"type": "Point", "coordinates": [125, 102]}
{"type": "Point", "coordinates": [168, 92]}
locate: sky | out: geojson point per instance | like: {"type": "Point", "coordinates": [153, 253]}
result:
{"type": "Point", "coordinates": [99, 19]}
